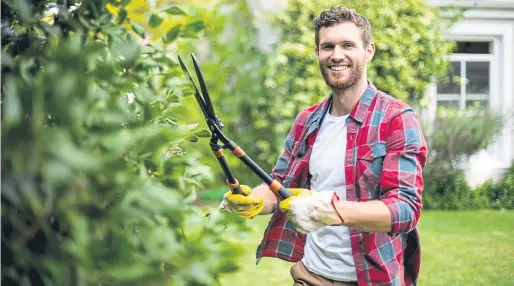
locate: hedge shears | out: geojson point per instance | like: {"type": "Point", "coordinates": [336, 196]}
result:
{"type": "Point", "coordinates": [216, 126]}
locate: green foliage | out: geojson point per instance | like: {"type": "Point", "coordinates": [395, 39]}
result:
{"type": "Point", "coordinates": [98, 177]}
{"type": "Point", "coordinates": [258, 91]}
{"type": "Point", "coordinates": [235, 72]}
{"type": "Point", "coordinates": [458, 135]}
{"type": "Point", "coordinates": [500, 194]}
{"type": "Point", "coordinates": [451, 192]}
{"type": "Point", "coordinates": [455, 138]}
{"type": "Point", "coordinates": [409, 42]}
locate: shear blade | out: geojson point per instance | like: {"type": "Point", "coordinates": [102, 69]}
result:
{"type": "Point", "coordinates": [198, 96]}
{"type": "Point", "coordinates": [203, 87]}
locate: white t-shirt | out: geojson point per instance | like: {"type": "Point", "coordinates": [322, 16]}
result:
{"type": "Point", "coordinates": [328, 251]}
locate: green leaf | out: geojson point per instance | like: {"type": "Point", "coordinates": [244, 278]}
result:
{"type": "Point", "coordinates": [155, 20]}
{"type": "Point", "coordinates": [192, 138]}
{"type": "Point", "coordinates": [7, 60]}
{"type": "Point", "coordinates": [188, 127]}
{"type": "Point", "coordinates": [172, 34]}
{"type": "Point", "coordinates": [140, 30]}
{"type": "Point", "coordinates": [12, 105]}
{"type": "Point", "coordinates": [172, 98]}
{"type": "Point", "coordinates": [11, 193]}
{"type": "Point", "coordinates": [129, 51]}
{"type": "Point", "coordinates": [96, 155]}
{"type": "Point", "coordinates": [175, 11]}
{"type": "Point", "coordinates": [122, 15]}
{"type": "Point", "coordinates": [24, 11]}
{"type": "Point", "coordinates": [193, 28]}
{"type": "Point", "coordinates": [203, 133]}
{"type": "Point", "coordinates": [25, 66]}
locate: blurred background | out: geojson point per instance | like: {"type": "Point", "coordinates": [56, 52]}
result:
{"type": "Point", "coordinates": [107, 174]}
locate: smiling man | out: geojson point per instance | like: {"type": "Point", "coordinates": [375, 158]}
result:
{"type": "Point", "coordinates": [354, 165]}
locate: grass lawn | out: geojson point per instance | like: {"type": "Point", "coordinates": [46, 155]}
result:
{"type": "Point", "coordinates": [458, 248]}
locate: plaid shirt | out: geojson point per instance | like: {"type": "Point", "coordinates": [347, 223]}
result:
{"type": "Point", "coordinates": [385, 154]}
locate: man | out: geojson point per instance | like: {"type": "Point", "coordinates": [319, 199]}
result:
{"type": "Point", "coordinates": [354, 165]}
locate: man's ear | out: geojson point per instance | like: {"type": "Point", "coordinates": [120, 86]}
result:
{"type": "Point", "coordinates": [370, 52]}
{"type": "Point", "coordinates": [316, 50]}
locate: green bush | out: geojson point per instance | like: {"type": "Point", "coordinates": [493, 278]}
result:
{"type": "Point", "coordinates": [500, 194]}
{"type": "Point", "coordinates": [97, 186]}
{"type": "Point", "coordinates": [455, 138]}
{"type": "Point", "coordinates": [409, 41]}
{"type": "Point", "coordinates": [451, 192]}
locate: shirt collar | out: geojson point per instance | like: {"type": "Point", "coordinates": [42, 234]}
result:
{"type": "Point", "coordinates": [358, 112]}
{"type": "Point", "coordinates": [361, 108]}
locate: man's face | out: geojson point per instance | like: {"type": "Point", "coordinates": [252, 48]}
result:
{"type": "Point", "coordinates": [342, 56]}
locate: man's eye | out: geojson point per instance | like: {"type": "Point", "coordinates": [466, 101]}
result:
{"type": "Point", "coordinates": [347, 46]}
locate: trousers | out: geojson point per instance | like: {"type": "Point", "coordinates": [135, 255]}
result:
{"type": "Point", "coordinates": [303, 277]}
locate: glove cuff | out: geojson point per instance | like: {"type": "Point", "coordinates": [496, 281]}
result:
{"type": "Point", "coordinates": [335, 198]}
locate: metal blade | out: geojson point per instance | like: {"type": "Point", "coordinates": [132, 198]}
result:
{"type": "Point", "coordinates": [206, 97]}
{"type": "Point", "coordinates": [197, 93]}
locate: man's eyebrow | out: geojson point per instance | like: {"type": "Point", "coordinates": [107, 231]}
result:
{"type": "Point", "coordinates": [329, 43]}
{"type": "Point", "coordinates": [326, 44]}
{"type": "Point", "coordinates": [350, 42]}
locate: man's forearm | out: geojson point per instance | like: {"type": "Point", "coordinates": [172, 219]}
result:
{"type": "Point", "coordinates": [372, 216]}
{"type": "Point", "coordinates": [268, 197]}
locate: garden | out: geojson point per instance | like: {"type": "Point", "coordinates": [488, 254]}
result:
{"type": "Point", "coordinates": [107, 173]}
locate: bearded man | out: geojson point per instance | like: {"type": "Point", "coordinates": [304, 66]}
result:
{"type": "Point", "coordinates": [354, 165]}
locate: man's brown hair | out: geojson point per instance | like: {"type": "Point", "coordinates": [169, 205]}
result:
{"type": "Point", "coordinates": [341, 14]}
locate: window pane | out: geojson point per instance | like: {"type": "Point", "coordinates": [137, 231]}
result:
{"type": "Point", "coordinates": [451, 84]}
{"type": "Point", "coordinates": [454, 104]}
{"type": "Point", "coordinates": [473, 48]}
{"type": "Point", "coordinates": [477, 74]}
{"type": "Point", "coordinates": [479, 104]}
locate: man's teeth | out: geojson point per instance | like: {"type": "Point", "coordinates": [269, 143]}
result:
{"type": "Point", "coordinates": [339, 68]}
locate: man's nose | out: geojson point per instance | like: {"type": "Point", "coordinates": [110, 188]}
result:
{"type": "Point", "coordinates": [338, 54]}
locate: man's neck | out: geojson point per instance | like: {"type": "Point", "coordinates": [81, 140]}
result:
{"type": "Point", "coordinates": [345, 99]}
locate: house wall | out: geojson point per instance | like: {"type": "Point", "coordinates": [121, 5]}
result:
{"type": "Point", "coordinates": [491, 21]}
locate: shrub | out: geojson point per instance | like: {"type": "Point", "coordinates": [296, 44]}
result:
{"type": "Point", "coordinates": [455, 138]}
{"type": "Point", "coordinates": [449, 193]}
{"type": "Point", "coordinates": [500, 194]}
{"type": "Point", "coordinates": [97, 189]}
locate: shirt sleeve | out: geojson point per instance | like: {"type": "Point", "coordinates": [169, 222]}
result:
{"type": "Point", "coordinates": [401, 182]}
{"type": "Point", "coordinates": [280, 169]}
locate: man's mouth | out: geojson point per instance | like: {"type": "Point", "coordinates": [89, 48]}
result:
{"type": "Point", "coordinates": [338, 68]}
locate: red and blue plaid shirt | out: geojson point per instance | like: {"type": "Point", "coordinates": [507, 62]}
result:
{"type": "Point", "coordinates": [385, 154]}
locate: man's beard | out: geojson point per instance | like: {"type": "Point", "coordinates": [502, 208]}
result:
{"type": "Point", "coordinates": [340, 83]}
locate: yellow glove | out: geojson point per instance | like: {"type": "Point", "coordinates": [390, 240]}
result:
{"type": "Point", "coordinates": [244, 205]}
{"type": "Point", "coordinates": [309, 211]}
{"type": "Point", "coordinates": [285, 205]}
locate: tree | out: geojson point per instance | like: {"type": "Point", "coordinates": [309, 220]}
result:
{"type": "Point", "coordinates": [236, 68]}
{"type": "Point", "coordinates": [98, 173]}
{"type": "Point", "coordinates": [260, 92]}
{"type": "Point", "coordinates": [410, 46]}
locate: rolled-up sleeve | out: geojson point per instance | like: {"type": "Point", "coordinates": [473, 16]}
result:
{"type": "Point", "coordinates": [279, 170]}
{"type": "Point", "coordinates": [401, 182]}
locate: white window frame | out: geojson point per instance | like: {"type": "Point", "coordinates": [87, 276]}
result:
{"type": "Point", "coordinates": [501, 93]}
{"type": "Point", "coordinates": [464, 96]}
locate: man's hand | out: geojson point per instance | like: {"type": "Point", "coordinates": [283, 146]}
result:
{"type": "Point", "coordinates": [247, 206]}
{"type": "Point", "coordinates": [309, 211]}
{"type": "Point", "coordinates": [244, 205]}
